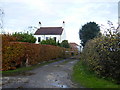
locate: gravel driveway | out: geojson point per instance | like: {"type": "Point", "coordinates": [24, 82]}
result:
{"type": "Point", "coordinates": [53, 75]}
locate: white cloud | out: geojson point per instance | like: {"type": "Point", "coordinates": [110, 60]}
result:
{"type": "Point", "coordinates": [60, 0]}
{"type": "Point", "coordinates": [23, 13]}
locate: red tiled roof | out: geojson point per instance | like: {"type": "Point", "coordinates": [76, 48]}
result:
{"type": "Point", "coordinates": [49, 31]}
{"type": "Point", "coordinates": [74, 44]}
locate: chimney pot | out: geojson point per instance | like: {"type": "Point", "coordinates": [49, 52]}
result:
{"type": "Point", "coordinates": [40, 23]}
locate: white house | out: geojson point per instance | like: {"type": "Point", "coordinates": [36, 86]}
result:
{"type": "Point", "coordinates": [44, 33]}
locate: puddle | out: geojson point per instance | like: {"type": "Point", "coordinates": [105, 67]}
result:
{"type": "Point", "coordinates": [59, 86]}
{"type": "Point", "coordinates": [72, 62]}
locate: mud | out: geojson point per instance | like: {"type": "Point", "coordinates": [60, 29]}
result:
{"type": "Point", "coordinates": [54, 75]}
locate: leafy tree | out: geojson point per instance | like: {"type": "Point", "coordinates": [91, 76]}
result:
{"type": "Point", "coordinates": [65, 44]}
{"type": "Point", "coordinates": [24, 37]}
{"type": "Point", "coordinates": [89, 31]}
{"type": "Point", "coordinates": [49, 42]}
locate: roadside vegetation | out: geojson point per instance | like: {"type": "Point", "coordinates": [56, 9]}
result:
{"type": "Point", "coordinates": [23, 70]}
{"type": "Point", "coordinates": [51, 41]}
{"type": "Point", "coordinates": [24, 37]}
{"type": "Point", "coordinates": [83, 77]}
{"type": "Point", "coordinates": [99, 65]}
{"type": "Point", "coordinates": [18, 54]}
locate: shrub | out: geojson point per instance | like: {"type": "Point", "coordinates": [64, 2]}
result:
{"type": "Point", "coordinates": [65, 44]}
{"type": "Point", "coordinates": [102, 54]}
{"type": "Point", "coordinates": [25, 37]}
{"type": "Point", "coordinates": [49, 42]}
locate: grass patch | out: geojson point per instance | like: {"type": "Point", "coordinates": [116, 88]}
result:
{"type": "Point", "coordinates": [24, 69]}
{"type": "Point", "coordinates": [89, 80]}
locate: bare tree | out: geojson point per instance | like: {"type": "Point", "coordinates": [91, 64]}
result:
{"type": "Point", "coordinates": [30, 29]}
{"type": "Point", "coordinates": [111, 30]}
{"type": "Point", "coordinates": [1, 21]}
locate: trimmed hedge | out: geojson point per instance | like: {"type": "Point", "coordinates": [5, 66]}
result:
{"type": "Point", "coordinates": [102, 55]}
{"type": "Point", "coordinates": [16, 54]}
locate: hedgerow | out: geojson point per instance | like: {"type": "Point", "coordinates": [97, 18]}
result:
{"type": "Point", "coordinates": [17, 54]}
{"type": "Point", "coordinates": [102, 55]}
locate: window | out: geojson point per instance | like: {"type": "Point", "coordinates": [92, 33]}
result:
{"type": "Point", "coordinates": [47, 38]}
{"type": "Point", "coordinates": [54, 38]}
{"type": "Point", "coordinates": [39, 39]}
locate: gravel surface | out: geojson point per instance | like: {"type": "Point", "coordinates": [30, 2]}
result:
{"type": "Point", "coordinates": [53, 75]}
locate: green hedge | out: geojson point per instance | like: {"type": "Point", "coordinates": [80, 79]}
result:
{"type": "Point", "coordinates": [102, 55]}
{"type": "Point", "coordinates": [24, 37]}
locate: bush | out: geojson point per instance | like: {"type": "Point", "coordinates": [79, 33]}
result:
{"type": "Point", "coordinates": [65, 44]}
{"type": "Point", "coordinates": [25, 37]}
{"type": "Point", "coordinates": [102, 54]}
{"type": "Point", "coordinates": [15, 54]}
{"type": "Point", "coordinates": [49, 42]}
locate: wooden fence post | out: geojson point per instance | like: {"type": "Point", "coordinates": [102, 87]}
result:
{"type": "Point", "coordinates": [27, 63]}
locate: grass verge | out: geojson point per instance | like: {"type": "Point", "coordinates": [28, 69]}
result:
{"type": "Point", "coordinates": [24, 69]}
{"type": "Point", "coordinates": [89, 80]}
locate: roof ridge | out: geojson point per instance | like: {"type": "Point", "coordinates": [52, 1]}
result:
{"type": "Point", "coordinates": [49, 31]}
{"type": "Point", "coordinates": [50, 27]}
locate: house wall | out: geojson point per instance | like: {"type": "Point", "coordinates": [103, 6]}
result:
{"type": "Point", "coordinates": [43, 37]}
{"type": "Point", "coordinates": [63, 36]}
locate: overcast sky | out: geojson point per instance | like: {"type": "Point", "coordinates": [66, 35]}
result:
{"type": "Point", "coordinates": [19, 14]}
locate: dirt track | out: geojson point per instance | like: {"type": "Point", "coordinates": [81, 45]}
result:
{"type": "Point", "coordinates": [54, 75]}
